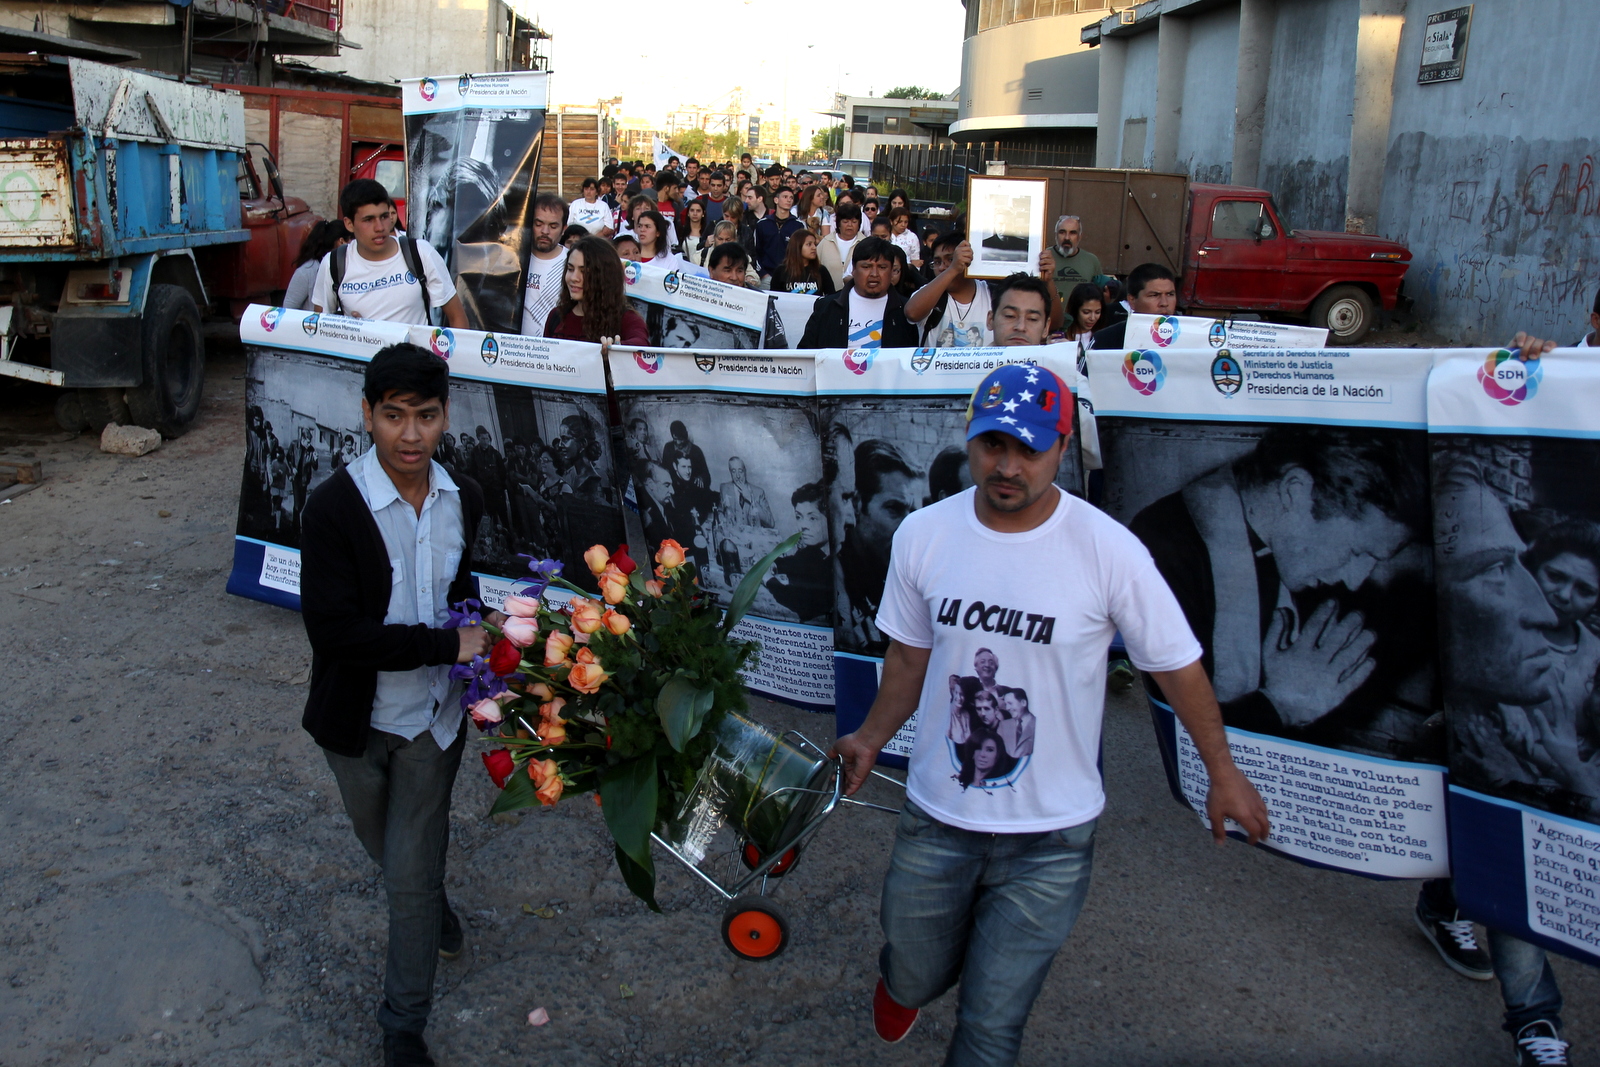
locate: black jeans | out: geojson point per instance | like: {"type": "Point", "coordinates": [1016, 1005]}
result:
{"type": "Point", "coordinates": [398, 799]}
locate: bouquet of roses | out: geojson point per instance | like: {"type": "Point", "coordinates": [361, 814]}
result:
{"type": "Point", "coordinates": [619, 696]}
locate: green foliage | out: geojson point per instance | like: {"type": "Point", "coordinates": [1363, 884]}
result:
{"type": "Point", "coordinates": [518, 793]}
{"type": "Point", "coordinates": [830, 140]}
{"type": "Point", "coordinates": [682, 707]}
{"type": "Point", "coordinates": [911, 92]}
{"type": "Point", "coordinates": [690, 143]}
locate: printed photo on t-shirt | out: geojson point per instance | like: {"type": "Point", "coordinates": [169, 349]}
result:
{"type": "Point", "coordinates": [990, 736]}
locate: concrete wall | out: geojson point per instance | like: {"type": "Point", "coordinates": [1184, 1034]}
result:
{"type": "Point", "coordinates": [1492, 181]}
{"type": "Point", "coordinates": [1205, 135]}
{"type": "Point", "coordinates": [411, 38]}
{"type": "Point", "coordinates": [999, 66]}
{"type": "Point", "coordinates": [1138, 99]}
{"type": "Point", "coordinates": [1305, 144]}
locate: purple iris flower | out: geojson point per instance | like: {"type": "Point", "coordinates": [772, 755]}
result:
{"type": "Point", "coordinates": [481, 681]}
{"type": "Point", "coordinates": [543, 570]}
{"type": "Point", "coordinates": [466, 613]}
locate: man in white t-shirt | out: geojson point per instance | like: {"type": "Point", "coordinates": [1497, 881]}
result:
{"type": "Point", "coordinates": [384, 280]}
{"type": "Point", "coordinates": [1000, 604]}
{"type": "Point", "coordinates": [545, 265]}
{"type": "Point", "coordinates": [953, 309]}
{"type": "Point", "coordinates": [590, 212]}
{"type": "Point", "coordinates": [868, 313]}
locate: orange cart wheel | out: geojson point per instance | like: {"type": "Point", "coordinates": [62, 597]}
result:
{"type": "Point", "coordinates": [753, 859]}
{"type": "Point", "coordinates": [754, 929]}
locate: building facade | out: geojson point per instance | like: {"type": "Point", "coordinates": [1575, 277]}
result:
{"type": "Point", "coordinates": [870, 121]}
{"type": "Point", "coordinates": [1026, 73]}
{"type": "Point", "coordinates": [407, 39]}
{"type": "Point", "coordinates": [1463, 143]}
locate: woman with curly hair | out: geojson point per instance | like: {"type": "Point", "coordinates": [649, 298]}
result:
{"type": "Point", "coordinates": [592, 305]}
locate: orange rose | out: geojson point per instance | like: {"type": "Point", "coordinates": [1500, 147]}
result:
{"type": "Point", "coordinates": [597, 558]}
{"type": "Point", "coordinates": [616, 623]}
{"type": "Point", "coordinates": [556, 648]}
{"type": "Point", "coordinates": [552, 727]}
{"type": "Point", "coordinates": [670, 555]}
{"type": "Point", "coordinates": [587, 674]}
{"type": "Point", "coordinates": [654, 588]}
{"type": "Point", "coordinates": [547, 782]}
{"type": "Point", "coordinates": [614, 585]}
{"type": "Point", "coordinates": [585, 615]}
{"type": "Point", "coordinates": [540, 691]}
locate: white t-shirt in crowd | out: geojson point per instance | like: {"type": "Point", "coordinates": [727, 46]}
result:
{"type": "Point", "coordinates": [542, 293]}
{"type": "Point", "coordinates": [592, 217]}
{"type": "Point", "coordinates": [866, 320]}
{"type": "Point", "coordinates": [1008, 725]}
{"type": "Point", "coordinates": [964, 325]}
{"type": "Point", "coordinates": [909, 243]}
{"type": "Point", "coordinates": [845, 248]}
{"type": "Point", "coordinates": [384, 290]}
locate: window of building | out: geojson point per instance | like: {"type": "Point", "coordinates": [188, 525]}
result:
{"type": "Point", "coordinates": [992, 13]}
{"type": "Point", "coordinates": [895, 120]}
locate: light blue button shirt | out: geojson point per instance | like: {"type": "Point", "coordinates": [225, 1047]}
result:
{"type": "Point", "coordinates": [424, 552]}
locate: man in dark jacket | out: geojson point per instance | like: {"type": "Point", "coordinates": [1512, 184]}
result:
{"type": "Point", "coordinates": [1152, 290]}
{"type": "Point", "coordinates": [868, 313]}
{"type": "Point", "coordinates": [773, 232]}
{"type": "Point", "coordinates": [382, 704]}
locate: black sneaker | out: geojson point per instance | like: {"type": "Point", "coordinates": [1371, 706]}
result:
{"type": "Point", "coordinates": [1539, 1044]}
{"type": "Point", "coordinates": [451, 939]}
{"type": "Point", "coordinates": [405, 1050]}
{"type": "Point", "coordinates": [1120, 676]}
{"type": "Point", "coordinates": [1457, 944]}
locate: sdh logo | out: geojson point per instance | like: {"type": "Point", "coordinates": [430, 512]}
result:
{"type": "Point", "coordinates": [1164, 331]}
{"type": "Point", "coordinates": [443, 343]}
{"type": "Point", "coordinates": [1144, 371]}
{"type": "Point", "coordinates": [1509, 379]}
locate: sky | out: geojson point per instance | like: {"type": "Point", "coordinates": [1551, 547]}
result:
{"type": "Point", "coordinates": [627, 49]}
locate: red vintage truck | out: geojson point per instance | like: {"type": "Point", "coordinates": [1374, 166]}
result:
{"type": "Point", "coordinates": [1229, 247]}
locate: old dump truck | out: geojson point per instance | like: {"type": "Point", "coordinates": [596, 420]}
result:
{"type": "Point", "coordinates": [109, 180]}
{"type": "Point", "coordinates": [1229, 247]}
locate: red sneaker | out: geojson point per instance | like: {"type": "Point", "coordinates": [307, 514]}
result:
{"type": "Point", "coordinates": [892, 1021]}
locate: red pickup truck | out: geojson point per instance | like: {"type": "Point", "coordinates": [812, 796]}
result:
{"type": "Point", "coordinates": [1229, 247]}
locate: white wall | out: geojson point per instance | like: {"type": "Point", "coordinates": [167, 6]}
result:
{"type": "Point", "coordinates": [1138, 96]}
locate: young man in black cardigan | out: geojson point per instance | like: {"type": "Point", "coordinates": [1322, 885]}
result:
{"type": "Point", "coordinates": [385, 549]}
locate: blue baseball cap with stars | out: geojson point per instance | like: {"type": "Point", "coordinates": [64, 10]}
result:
{"type": "Point", "coordinates": [1023, 400]}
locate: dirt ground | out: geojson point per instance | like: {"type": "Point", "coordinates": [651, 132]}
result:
{"type": "Point", "coordinates": [182, 887]}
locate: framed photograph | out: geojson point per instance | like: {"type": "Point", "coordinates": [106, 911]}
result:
{"type": "Point", "coordinates": [1005, 223]}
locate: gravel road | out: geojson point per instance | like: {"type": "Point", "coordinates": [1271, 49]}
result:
{"type": "Point", "coordinates": [181, 885]}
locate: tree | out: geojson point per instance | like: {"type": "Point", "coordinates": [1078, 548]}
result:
{"type": "Point", "coordinates": [911, 92]}
{"type": "Point", "coordinates": [727, 145]}
{"type": "Point", "coordinates": [690, 143]}
{"type": "Point", "coordinates": [830, 140]}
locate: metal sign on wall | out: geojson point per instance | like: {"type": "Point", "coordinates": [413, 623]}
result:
{"type": "Point", "coordinates": [1444, 45]}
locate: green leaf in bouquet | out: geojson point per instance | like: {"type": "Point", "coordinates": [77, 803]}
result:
{"type": "Point", "coordinates": [628, 799]}
{"type": "Point", "coordinates": [640, 878]}
{"type": "Point", "coordinates": [682, 708]}
{"type": "Point", "coordinates": [518, 793]}
{"type": "Point", "coordinates": [745, 594]}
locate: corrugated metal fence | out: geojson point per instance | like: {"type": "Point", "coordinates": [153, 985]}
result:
{"type": "Point", "coordinates": [939, 172]}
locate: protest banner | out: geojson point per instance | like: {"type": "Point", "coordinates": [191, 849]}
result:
{"type": "Point", "coordinates": [684, 308]}
{"type": "Point", "coordinates": [1189, 331]}
{"type": "Point", "coordinates": [725, 458]}
{"type": "Point", "coordinates": [1283, 496]}
{"type": "Point", "coordinates": [472, 159]}
{"type": "Point", "coordinates": [1517, 547]}
{"type": "Point", "coordinates": [893, 425]}
{"type": "Point", "coordinates": [528, 424]}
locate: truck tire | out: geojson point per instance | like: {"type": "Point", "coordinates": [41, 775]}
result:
{"type": "Point", "coordinates": [174, 363]}
{"type": "Point", "coordinates": [69, 412]}
{"type": "Point", "coordinates": [98, 408]}
{"type": "Point", "coordinates": [1346, 311]}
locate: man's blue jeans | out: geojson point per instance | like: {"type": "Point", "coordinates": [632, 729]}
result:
{"type": "Point", "coordinates": [1527, 984]}
{"type": "Point", "coordinates": [986, 910]}
{"type": "Point", "coordinates": [398, 799]}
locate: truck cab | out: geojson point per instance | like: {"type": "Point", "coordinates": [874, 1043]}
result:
{"type": "Point", "coordinates": [1240, 256]}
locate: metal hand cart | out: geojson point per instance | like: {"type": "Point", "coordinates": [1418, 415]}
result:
{"type": "Point", "coordinates": [759, 798]}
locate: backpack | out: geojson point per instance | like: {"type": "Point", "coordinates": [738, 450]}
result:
{"type": "Point", "coordinates": [413, 261]}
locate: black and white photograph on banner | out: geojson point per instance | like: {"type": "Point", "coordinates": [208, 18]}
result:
{"type": "Point", "coordinates": [302, 425]}
{"type": "Point", "coordinates": [473, 171]}
{"type": "Point", "coordinates": [671, 327]}
{"type": "Point", "coordinates": [1301, 555]}
{"type": "Point", "coordinates": [1519, 583]}
{"type": "Point", "coordinates": [729, 477]}
{"type": "Point", "coordinates": [543, 461]}
{"type": "Point", "coordinates": [883, 458]}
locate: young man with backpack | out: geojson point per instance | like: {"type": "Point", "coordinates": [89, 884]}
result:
{"type": "Point", "coordinates": [388, 278]}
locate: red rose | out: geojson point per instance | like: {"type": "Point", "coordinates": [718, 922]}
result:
{"type": "Point", "coordinates": [504, 658]}
{"type": "Point", "coordinates": [620, 560]}
{"type": "Point", "coordinates": [500, 766]}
